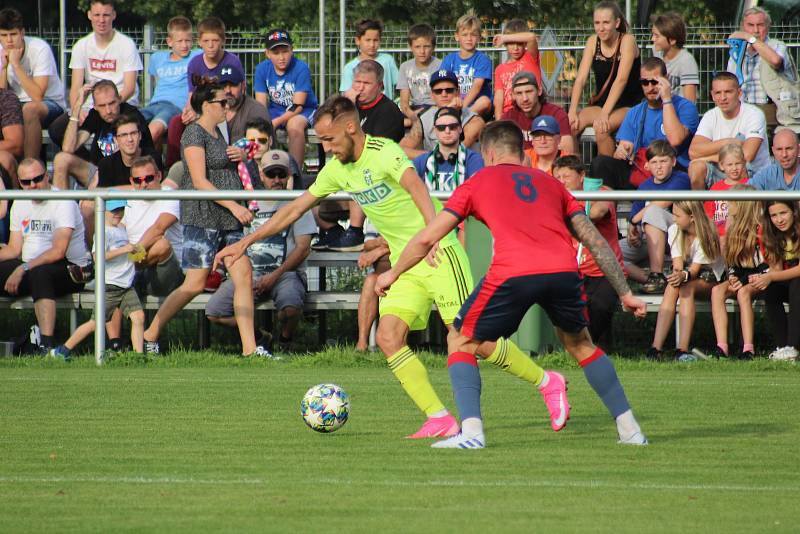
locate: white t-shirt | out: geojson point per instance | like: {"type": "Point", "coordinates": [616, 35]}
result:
{"type": "Point", "coordinates": [38, 220]}
{"type": "Point", "coordinates": [109, 63]}
{"type": "Point", "coordinates": [141, 215]}
{"type": "Point", "coordinates": [38, 60]}
{"type": "Point", "coordinates": [747, 124]}
{"type": "Point", "coordinates": [120, 270]}
{"type": "Point", "coordinates": [696, 252]}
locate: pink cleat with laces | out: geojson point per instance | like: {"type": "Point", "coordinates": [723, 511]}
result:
{"type": "Point", "coordinates": [437, 427]}
{"type": "Point", "coordinates": [555, 398]}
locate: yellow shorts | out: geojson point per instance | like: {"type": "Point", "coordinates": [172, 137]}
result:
{"type": "Point", "coordinates": [447, 285]}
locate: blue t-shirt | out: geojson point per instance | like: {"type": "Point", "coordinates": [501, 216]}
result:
{"type": "Point", "coordinates": [770, 178]}
{"type": "Point", "coordinates": [390, 74]}
{"type": "Point", "coordinates": [198, 67]}
{"type": "Point", "coordinates": [477, 66]}
{"type": "Point", "coordinates": [654, 126]}
{"type": "Point", "coordinates": [170, 77]}
{"type": "Point", "coordinates": [473, 162]}
{"type": "Point", "coordinates": [678, 181]}
{"type": "Point", "coordinates": [280, 88]}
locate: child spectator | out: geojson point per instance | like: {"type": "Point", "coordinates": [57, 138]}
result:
{"type": "Point", "coordinates": [169, 68]}
{"type": "Point", "coordinates": [119, 275]}
{"type": "Point", "coordinates": [733, 164]}
{"type": "Point", "coordinates": [649, 221]}
{"type": "Point", "coordinates": [472, 67]}
{"type": "Point", "coordinates": [669, 36]}
{"type": "Point", "coordinates": [283, 83]}
{"type": "Point", "coordinates": [781, 223]}
{"type": "Point", "coordinates": [415, 74]}
{"type": "Point", "coordinates": [368, 40]}
{"type": "Point", "coordinates": [523, 55]}
{"type": "Point", "coordinates": [697, 265]}
{"type": "Point", "coordinates": [743, 256]}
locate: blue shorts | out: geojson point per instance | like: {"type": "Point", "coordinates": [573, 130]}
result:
{"type": "Point", "coordinates": [54, 111]}
{"type": "Point", "coordinates": [200, 245]}
{"type": "Point", "coordinates": [162, 112]}
{"type": "Point", "coordinates": [307, 113]}
{"type": "Point", "coordinates": [496, 308]}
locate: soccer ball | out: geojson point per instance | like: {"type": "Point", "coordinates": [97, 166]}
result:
{"type": "Point", "coordinates": [325, 407]}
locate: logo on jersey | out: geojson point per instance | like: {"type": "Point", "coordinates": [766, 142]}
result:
{"type": "Point", "coordinates": [523, 187]}
{"type": "Point", "coordinates": [224, 71]}
{"type": "Point", "coordinates": [368, 176]}
{"type": "Point", "coordinates": [103, 65]}
{"type": "Point", "coordinates": [373, 195]}
{"type": "Point", "coordinates": [44, 226]}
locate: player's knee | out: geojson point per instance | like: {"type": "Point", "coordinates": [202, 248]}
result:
{"type": "Point", "coordinates": [388, 340]}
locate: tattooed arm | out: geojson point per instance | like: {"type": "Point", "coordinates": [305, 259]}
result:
{"type": "Point", "coordinates": [585, 232]}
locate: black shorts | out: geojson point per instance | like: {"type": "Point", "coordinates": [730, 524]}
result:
{"type": "Point", "coordinates": [495, 308]}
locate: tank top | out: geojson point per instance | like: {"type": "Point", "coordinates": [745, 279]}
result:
{"type": "Point", "coordinates": [602, 66]}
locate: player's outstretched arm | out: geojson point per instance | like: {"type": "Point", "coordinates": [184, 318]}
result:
{"type": "Point", "coordinates": [583, 230]}
{"type": "Point", "coordinates": [417, 248]}
{"type": "Point", "coordinates": [277, 223]}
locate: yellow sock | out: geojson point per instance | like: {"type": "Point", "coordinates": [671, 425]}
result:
{"type": "Point", "coordinates": [414, 378]}
{"type": "Point", "coordinates": [508, 357]}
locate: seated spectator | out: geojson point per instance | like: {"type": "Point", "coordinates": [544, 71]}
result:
{"type": "Point", "coordinates": [661, 115]}
{"type": "Point", "coordinates": [368, 41]}
{"type": "Point", "coordinates": [472, 67]}
{"type": "Point", "coordinates": [601, 299]}
{"type": "Point", "coordinates": [47, 237]}
{"type": "Point", "coordinates": [28, 67]}
{"type": "Point", "coordinates": [784, 173]}
{"type": "Point", "coordinates": [283, 82]}
{"type": "Point", "coordinates": [546, 140]}
{"type": "Point", "coordinates": [11, 137]}
{"type": "Point", "coordinates": [415, 74]}
{"type": "Point", "coordinates": [74, 160]}
{"type": "Point", "coordinates": [444, 90]}
{"type": "Point", "coordinates": [374, 258]}
{"type": "Point", "coordinates": [669, 36]}
{"type": "Point", "coordinates": [278, 262]}
{"type": "Point", "coordinates": [528, 103]}
{"type": "Point", "coordinates": [649, 221]}
{"type": "Point", "coordinates": [169, 69]}
{"type": "Point", "coordinates": [155, 231]}
{"type": "Point", "coordinates": [729, 121]}
{"type": "Point", "coordinates": [522, 48]}
{"type": "Point", "coordinates": [731, 161]}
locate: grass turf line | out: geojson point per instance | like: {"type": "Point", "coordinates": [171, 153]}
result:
{"type": "Point", "coordinates": [207, 449]}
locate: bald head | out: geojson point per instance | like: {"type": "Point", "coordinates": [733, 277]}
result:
{"type": "Point", "coordinates": [785, 150]}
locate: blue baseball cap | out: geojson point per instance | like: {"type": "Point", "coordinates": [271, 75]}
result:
{"type": "Point", "coordinates": [115, 204]}
{"type": "Point", "coordinates": [443, 75]}
{"type": "Point", "coordinates": [545, 123]}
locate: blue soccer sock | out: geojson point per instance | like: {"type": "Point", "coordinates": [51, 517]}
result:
{"type": "Point", "coordinates": [466, 381]}
{"type": "Point", "coordinates": [603, 378]}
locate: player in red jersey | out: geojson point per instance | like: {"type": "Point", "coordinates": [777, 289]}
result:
{"type": "Point", "coordinates": [532, 218]}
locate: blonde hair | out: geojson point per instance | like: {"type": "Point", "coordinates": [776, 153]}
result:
{"type": "Point", "coordinates": [731, 149]}
{"type": "Point", "coordinates": [704, 231]}
{"type": "Point", "coordinates": [741, 237]}
{"type": "Point", "coordinates": [468, 21]}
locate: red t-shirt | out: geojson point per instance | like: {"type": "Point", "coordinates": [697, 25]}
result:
{"type": "Point", "coordinates": [717, 210]}
{"type": "Point", "coordinates": [505, 72]}
{"type": "Point", "coordinates": [607, 226]}
{"type": "Point", "coordinates": [524, 122]}
{"type": "Point", "coordinates": [527, 212]}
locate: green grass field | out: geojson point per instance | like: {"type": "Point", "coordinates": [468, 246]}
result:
{"type": "Point", "coordinates": [201, 442]}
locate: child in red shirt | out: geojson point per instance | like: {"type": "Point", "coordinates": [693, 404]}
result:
{"type": "Point", "coordinates": [523, 55]}
{"type": "Point", "coordinates": [732, 162]}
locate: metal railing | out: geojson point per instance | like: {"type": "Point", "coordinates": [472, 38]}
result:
{"type": "Point", "coordinates": [101, 196]}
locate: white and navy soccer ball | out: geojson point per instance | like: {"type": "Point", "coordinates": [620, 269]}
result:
{"type": "Point", "coordinates": [325, 407]}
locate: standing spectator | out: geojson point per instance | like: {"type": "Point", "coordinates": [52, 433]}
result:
{"type": "Point", "coordinates": [613, 55]}
{"type": "Point", "coordinates": [546, 139]}
{"type": "Point", "coordinates": [522, 47]}
{"type": "Point", "coordinates": [28, 68]}
{"type": "Point", "coordinates": [729, 121]}
{"type": "Point", "coordinates": [784, 174]}
{"type": "Point", "coordinates": [207, 225]}
{"type": "Point", "coordinates": [368, 41]}
{"type": "Point", "coordinates": [12, 135]}
{"type": "Point", "coordinates": [415, 74]}
{"type": "Point", "coordinates": [47, 237]}
{"type": "Point", "coordinates": [283, 83]}
{"type": "Point", "coordinates": [756, 23]}
{"type": "Point", "coordinates": [661, 115]}
{"type": "Point", "coordinates": [169, 69]}
{"type": "Point", "coordinates": [472, 67]}
{"type": "Point", "coordinates": [529, 102]}
{"type": "Point", "coordinates": [669, 36]}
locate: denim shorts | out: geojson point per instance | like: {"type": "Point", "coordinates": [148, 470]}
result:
{"type": "Point", "coordinates": [160, 111]}
{"type": "Point", "coordinates": [200, 245]}
{"type": "Point", "coordinates": [54, 111]}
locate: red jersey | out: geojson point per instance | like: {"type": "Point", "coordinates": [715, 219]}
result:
{"type": "Point", "coordinates": [524, 122]}
{"type": "Point", "coordinates": [717, 210]}
{"type": "Point", "coordinates": [527, 212]}
{"type": "Point", "coordinates": [505, 72]}
{"type": "Point", "coordinates": [607, 226]}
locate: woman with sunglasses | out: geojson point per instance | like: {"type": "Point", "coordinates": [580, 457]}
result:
{"type": "Point", "coordinates": [209, 225]}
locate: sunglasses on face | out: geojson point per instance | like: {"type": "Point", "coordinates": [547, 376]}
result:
{"type": "Point", "coordinates": [224, 102]}
{"type": "Point", "coordinates": [448, 126]}
{"type": "Point", "coordinates": [31, 181]}
{"type": "Point", "coordinates": [646, 81]}
{"type": "Point", "coordinates": [444, 91]}
{"type": "Point", "coordinates": [276, 174]}
{"type": "Point", "coordinates": [143, 179]}
{"type": "Point", "coordinates": [259, 140]}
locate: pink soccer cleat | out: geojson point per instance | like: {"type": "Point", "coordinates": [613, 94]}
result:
{"type": "Point", "coordinates": [437, 427]}
{"type": "Point", "coordinates": [555, 398]}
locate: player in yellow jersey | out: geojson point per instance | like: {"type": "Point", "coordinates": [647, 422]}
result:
{"type": "Point", "coordinates": [383, 181]}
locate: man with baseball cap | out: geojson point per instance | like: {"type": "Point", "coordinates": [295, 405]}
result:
{"type": "Point", "coordinates": [444, 92]}
{"type": "Point", "coordinates": [243, 108]}
{"type": "Point", "coordinates": [546, 139]}
{"type": "Point", "coordinates": [530, 102]}
{"type": "Point", "coordinates": [278, 261]}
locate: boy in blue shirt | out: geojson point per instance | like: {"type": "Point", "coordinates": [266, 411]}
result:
{"type": "Point", "coordinates": [168, 68]}
{"type": "Point", "coordinates": [473, 68]}
{"type": "Point", "coordinates": [368, 40]}
{"type": "Point", "coordinates": [283, 84]}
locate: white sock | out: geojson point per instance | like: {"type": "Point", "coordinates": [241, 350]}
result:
{"type": "Point", "coordinates": [440, 413]}
{"type": "Point", "coordinates": [545, 381]}
{"type": "Point", "coordinates": [627, 425]}
{"type": "Point", "coordinates": [471, 427]}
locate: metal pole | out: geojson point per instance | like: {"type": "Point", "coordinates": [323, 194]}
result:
{"type": "Point", "coordinates": [39, 13]}
{"type": "Point", "coordinates": [62, 41]}
{"type": "Point", "coordinates": [147, 46]}
{"type": "Point", "coordinates": [628, 12]}
{"type": "Point", "coordinates": [342, 28]}
{"type": "Point", "coordinates": [321, 85]}
{"type": "Point", "coordinates": [99, 279]}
